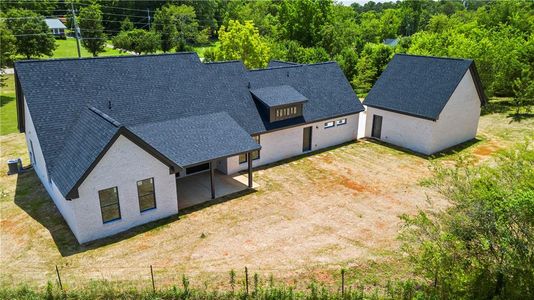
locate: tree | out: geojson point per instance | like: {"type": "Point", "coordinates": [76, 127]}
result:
{"type": "Point", "coordinates": [92, 30]}
{"type": "Point", "coordinates": [302, 20]}
{"type": "Point", "coordinates": [7, 48]}
{"type": "Point", "coordinates": [390, 22]}
{"type": "Point", "coordinates": [373, 60]}
{"type": "Point", "coordinates": [348, 60]}
{"type": "Point", "coordinates": [242, 41]}
{"type": "Point", "coordinates": [33, 38]}
{"type": "Point", "coordinates": [127, 25]}
{"type": "Point", "coordinates": [137, 40]}
{"type": "Point", "coordinates": [166, 27]}
{"type": "Point", "coordinates": [177, 26]}
{"type": "Point", "coordinates": [481, 247]}
{"type": "Point", "coordinates": [340, 31]}
{"type": "Point", "coordinates": [262, 13]}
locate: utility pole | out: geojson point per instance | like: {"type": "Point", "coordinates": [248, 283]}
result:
{"type": "Point", "coordinates": [76, 30]}
{"type": "Point", "coordinates": [148, 14]}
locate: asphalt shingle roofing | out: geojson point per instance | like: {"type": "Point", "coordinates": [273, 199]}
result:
{"type": "Point", "coordinates": [420, 85]}
{"type": "Point", "coordinates": [273, 96]}
{"type": "Point", "coordinates": [141, 93]}
{"type": "Point", "coordinates": [197, 139]}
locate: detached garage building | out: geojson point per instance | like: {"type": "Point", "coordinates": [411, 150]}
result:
{"type": "Point", "coordinates": [425, 104]}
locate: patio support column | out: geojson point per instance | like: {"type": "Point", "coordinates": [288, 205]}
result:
{"type": "Point", "coordinates": [212, 183]}
{"type": "Point", "coordinates": [249, 161]}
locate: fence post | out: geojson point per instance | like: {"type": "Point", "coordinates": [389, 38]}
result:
{"type": "Point", "coordinates": [342, 283]}
{"type": "Point", "coordinates": [59, 279]}
{"type": "Point", "coordinates": [152, 276]}
{"type": "Point", "coordinates": [246, 280]}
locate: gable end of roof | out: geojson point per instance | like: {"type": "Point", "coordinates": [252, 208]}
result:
{"type": "Point", "coordinates": [173, 168]}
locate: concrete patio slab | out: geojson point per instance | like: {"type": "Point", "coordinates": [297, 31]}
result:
{"type": "Point", "coordinates": [195, 189]}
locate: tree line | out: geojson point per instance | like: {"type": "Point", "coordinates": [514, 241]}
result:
{"type": "Point", "coordinates": [498, 35]}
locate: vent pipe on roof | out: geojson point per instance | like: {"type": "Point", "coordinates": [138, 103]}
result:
{"type": "Point", "coordinates": [109, 104]}
{"type": "Point", "coordinates": [248, 85]}
{"type": "Point", "coordinates": [287, 73]}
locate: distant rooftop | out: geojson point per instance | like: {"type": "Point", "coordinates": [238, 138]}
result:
{"type": "Point", "coordinates": [55, 24]}
{"type": "Point", "coordinates": [391, 42]}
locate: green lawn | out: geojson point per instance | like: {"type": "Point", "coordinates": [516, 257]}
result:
{"type": "Point", "coordinates": [67, 48]}
{"type": "Point", "coordinates": [8, 110]}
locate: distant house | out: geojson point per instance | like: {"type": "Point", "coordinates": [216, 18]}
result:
{"type": "Point", "coordinates": [391, 42]}
{"type": "Point", "coordinates": [57, 27]}
{"type": "Point", "coordinates": [121, 141]}
{"type": "Point", "coordinates": [425, 104]}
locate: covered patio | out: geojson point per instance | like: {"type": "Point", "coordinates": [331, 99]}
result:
{"type": "Point", "coordinates": [194, 145]}
{"type": "Point", "coordinates": [196, 189]}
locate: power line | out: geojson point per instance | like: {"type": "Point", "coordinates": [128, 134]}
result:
{"type": "Point", "coordinates": [113, 7]}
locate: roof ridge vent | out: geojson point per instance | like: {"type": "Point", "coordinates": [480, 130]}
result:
{"type": "Point", "coordinates": [105, 116]}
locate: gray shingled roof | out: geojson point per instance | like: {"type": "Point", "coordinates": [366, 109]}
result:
{"type": "Point", "coordinates": [420, 86]}
{"type": "Point", "coordinates": [197, 139]}
{"type": "Point", "coordinates": [279, 63]}
{"type": "Point", "coordinates": [137, 91]}
{"type": "Point", "coordinates": [328, 91]}
{"type": "Point", "coordinates": [55, 24]}
{"type": "Point", "coordinates": [273, 96]}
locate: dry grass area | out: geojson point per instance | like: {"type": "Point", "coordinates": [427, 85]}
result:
{"type": "Point", "coordinates": [311, 216]}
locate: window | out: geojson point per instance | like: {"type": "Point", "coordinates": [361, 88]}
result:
{"type": "Point", "coordinates": [285, 113]}
{"type": "Point", "coordinates": [147, 196]}
{"type": "Point", "coordinates": [341, 122]}
{"type": "Point", "coordinates": [109, 204]}
{"type": "Point", "coordinates": [329, 124]}
{"type": "Point", "coordinates": [254, 154]}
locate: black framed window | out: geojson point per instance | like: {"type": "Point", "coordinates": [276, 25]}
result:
{"type": "Point", "coordinates": [147, 194]}
{"type": "Point", "coordinates": [341, 122]}
{"type": "Point", "coordinates": [329, 124]}
{"type": "Point", "coordinates": [254, 154]}
{"type": "Point", "coordinates": [109, 204]}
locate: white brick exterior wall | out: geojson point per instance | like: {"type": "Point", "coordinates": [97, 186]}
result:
{"type": "Point", "coordinates": [457, 123]}
{"type": "Point", "coordinates": [125, 163]}
{"type": "Point", "coordinates": [65, 207]}
{"type": "Point", "coordinates": [122, 166]}
{"type": "Point", "coordinates": [286, 143]}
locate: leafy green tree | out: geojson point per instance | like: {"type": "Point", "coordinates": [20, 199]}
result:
{"type": "Point", "coordinates": [340, 30]}
{"type": "Point", "coordinates": [481, 247]}
{"type": "Point", "coordinates": [262, 13]}
{"type": "Point", "coordinates": [33, 36]}
{"type": "Point", "coordinates": [369, 27]}
{"type": "Point", "coordinates": [438, 23]}
{"type": "Point", "coordinates": [177, 26]}
{"type": "Point", "coordinates": [127, 25]}
{"type": "Point", "coordinates": [164, 20]}
{"type": "Point", "coordinates": [207, 12]}
{"type": "Point", "coordinates": [390, 23]}
{"type": "Point", "coordinates": [138, 41]}
{"type": "Point", "coordinates": [348, 60]}
{"type": "Point", "coordinates": [301, 20]}
{"type": "Point", "coordinates": [243, 42]}
{"type": "Point", "coordinates": [46, 7]}
{"type": "Point", "coordinates": [92, 30]}
{"type": "Point", "coordinates": [7, 48]}
{"type": "Point", "coordinates": [373, 60]}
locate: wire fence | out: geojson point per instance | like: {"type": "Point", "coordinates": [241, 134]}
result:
{"type": "Point", "coordinates": [162, 277]}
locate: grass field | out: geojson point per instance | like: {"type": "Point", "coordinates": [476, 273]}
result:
{"type": "Point", "coordinates": [310, 217]}
{"type": "Point", "coordinates": [67, 49]}
{"type": "Point", "coordinates": [8, 107]}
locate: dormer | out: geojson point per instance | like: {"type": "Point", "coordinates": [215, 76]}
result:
{"type": "Point", "coordinates": [282, 102]}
